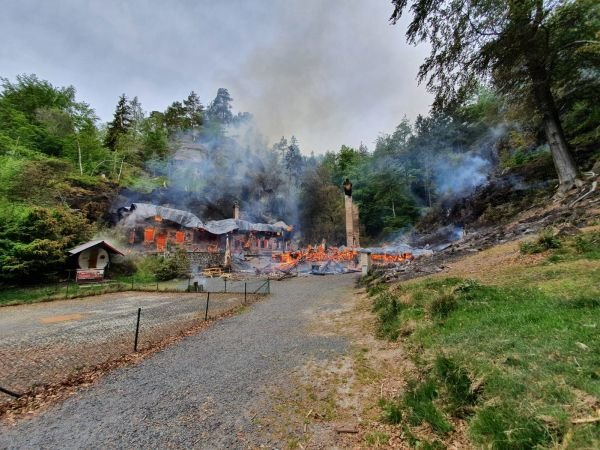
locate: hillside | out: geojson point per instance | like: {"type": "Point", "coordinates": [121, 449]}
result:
{"type": "Point", "coordinates": [497, 350]}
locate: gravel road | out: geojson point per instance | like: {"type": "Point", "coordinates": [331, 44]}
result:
{"type": "Point", "coordinates": [202, 392]}
{"type": "Point", "coordinates": [44, 342]}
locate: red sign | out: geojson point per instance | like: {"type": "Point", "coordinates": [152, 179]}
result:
{"type": "Point", "coordinates": [90, 275]}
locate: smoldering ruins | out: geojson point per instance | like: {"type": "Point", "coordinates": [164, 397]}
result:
{"type": "Point", "coordinates": [232, 203]}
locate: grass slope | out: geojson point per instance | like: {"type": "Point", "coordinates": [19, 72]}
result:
{"type": "Point", "coordinates": [509, 343]}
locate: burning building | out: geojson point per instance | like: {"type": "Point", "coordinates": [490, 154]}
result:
{"type": "Point", "coordinates": [154, 228]}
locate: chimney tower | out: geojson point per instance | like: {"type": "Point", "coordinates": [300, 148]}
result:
{"type": "Point", "coordinates": [236, 210]}
{"type": "Point", "coordinates": [352, 224]}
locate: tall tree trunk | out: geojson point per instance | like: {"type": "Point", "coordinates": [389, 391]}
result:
{"type": "Point", "coordinates": [563, 159]}
{"type": "Point", "coordinates": [79, 158]}
{"type": "Point", "coordinates": [564, 163]}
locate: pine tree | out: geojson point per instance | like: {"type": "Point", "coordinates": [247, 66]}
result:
{"type": "Point", "coordinates": [220, 108]}
{"type": "Point", "coordinates": [120, 125]}
{"type": "Point", "coordinates": [194, 112]}
{"type": "Point", "coordinates": [293, 159]}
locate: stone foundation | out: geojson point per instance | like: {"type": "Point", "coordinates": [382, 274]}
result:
{"type": "Point", "coordinates": [202, 260]}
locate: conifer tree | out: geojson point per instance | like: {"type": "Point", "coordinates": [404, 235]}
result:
{"type": "Point", "coordinates": [121, 123]}
{"type": "Point", "coordinates": [220, 108]}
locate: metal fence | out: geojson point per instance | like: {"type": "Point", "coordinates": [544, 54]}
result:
{"type": "Point", "coordinates": [57, 342]}
{"type": "Point", "coordinates": [65, 290]}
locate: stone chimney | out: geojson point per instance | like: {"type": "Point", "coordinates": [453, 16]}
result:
{"type": "Point", "coordinates": [352, 224]}
{"type": "Point", "coordinates": [236, 210]}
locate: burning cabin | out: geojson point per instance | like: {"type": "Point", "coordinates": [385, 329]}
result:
{"type": "Point", "coordinates": [154, 228]}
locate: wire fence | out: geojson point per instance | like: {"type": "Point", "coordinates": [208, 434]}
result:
{"type": "Point", "coordinates": [49, 343]}
{"type": "Point", "coordinates": [71, 289]}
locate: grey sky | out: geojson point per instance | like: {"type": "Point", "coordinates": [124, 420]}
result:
{"type": "Point", "coordinates": [331, 72]}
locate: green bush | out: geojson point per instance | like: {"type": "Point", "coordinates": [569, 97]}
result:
{"type": "Point", "coordinates": [522, 156]}
{"type": "Point", "coordinates": [34, 242]}
{"type": "Point", "coordinates": [588, 245]}
{"type": "Point", "coordinates": [546, 240]}
{"type": "Point", "coordinates": [124, 268]}
{"type": "Point", "coordinates": [175, 266]}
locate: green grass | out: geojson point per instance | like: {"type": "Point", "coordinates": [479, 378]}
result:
{"type": "Point", "coordinates": [508, 429]}
{"type": "Point", "coordinates": [531, 340]}
{"type": "Point", "coordinates": [61, 291]}
{"type": "Point", "coordinates": [391, 411]}
{"type": "Point", "coordinates": [376, 438]}
{"type": "Point", "coordinates": [419, 400]}
{"type": "Point", "coordinates": [57, 291]}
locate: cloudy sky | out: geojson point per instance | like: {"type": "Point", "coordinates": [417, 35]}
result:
{"type": "Point", "coordinates": [331, 72]}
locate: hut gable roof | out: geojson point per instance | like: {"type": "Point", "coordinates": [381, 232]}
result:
{"type": "Point", "coordinates": [143, 211]}
{"type": "Point", "coordinates": [80, 248]}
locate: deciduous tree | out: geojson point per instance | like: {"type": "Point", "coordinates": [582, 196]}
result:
{"type": "Point", "coordinates": [508, 42]}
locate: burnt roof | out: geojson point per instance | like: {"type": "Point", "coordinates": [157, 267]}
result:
{"type": "Point", "coordinates": [143, 211]}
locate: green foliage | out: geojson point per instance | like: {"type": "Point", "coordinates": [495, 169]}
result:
{"type": "Point", "coordinates": [321, 208]}
{"type": "Point", "coordinates": [543, 56]}
{"type": "Point", "coordinates": [219, 110]}
{"type": "Point", "coordinates": [125, 267]}
{"type": "Point", "coordinates": [386, 206]}
{"type": "Point", "coordinates": [33, 242]}
{"type": "Point", "coordinates": [520, 157]}
{"type": "Point", "coordinates": [588, 245]}
{"type": "Point", "coordinates": [547, 240]}
{"type": "Point", "coordinates": [175, 266]}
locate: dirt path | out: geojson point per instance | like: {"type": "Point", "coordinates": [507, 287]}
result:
{"type": "Point", "coordinates": [216, 389]}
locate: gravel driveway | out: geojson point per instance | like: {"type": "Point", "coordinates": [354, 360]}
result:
{"type": "Point", "coordinates": [202, 392]}
{"type": "Point", "coordinates": [45, 342]}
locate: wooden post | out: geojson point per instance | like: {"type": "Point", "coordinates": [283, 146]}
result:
{"type": "Point", "coordinates": [137, 330]}
{"type": "Point", "coordinates": [206, 312]}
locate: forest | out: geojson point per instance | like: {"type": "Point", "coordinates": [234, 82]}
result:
{"type": "Point", "coordinates": [63, 171]}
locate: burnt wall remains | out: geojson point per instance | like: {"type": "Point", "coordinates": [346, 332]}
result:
{"type": "Point", "coordinates": [202, 260]}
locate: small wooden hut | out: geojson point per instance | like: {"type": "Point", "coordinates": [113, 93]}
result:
{"type": "Point", "coordinates": [92, 259]}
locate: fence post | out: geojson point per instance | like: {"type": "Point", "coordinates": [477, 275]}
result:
{"type": "Point", "coordinates": [11, 393]}
{"type": "Point", "coordinates": [225, 280]}
{"type": "Point", "coordinates": [268, 286]}
{"type": "Point", "coordinates": [137, 330]}
{"type": "Point", "coordinates": [67, 293]}
{"type": "Point", "coordinates": [206, 312]}
{"type": "Point", "coordinates": [245, 292]}
{"type": "Point", "coordinates": [157, 285]}
{"type": "Point", "coordinates": [132, 283]}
